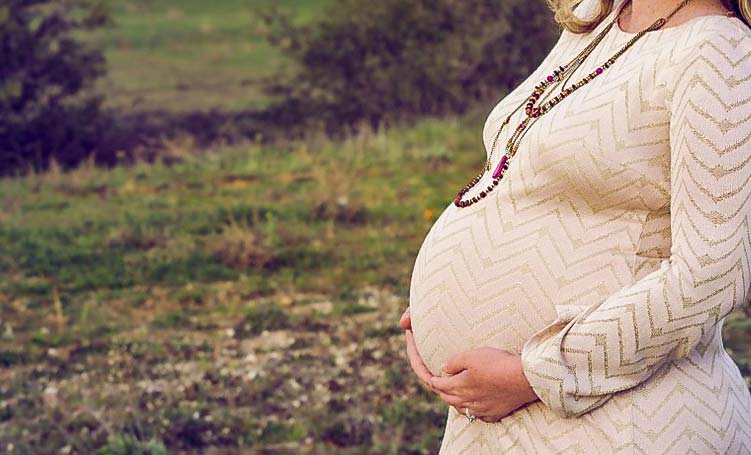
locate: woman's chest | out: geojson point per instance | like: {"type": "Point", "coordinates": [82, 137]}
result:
{"type": "Point", "coordinates": [609, 135]}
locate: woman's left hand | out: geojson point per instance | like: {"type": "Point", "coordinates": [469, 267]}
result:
{"type": "Point", "coordinates": [488, 381]}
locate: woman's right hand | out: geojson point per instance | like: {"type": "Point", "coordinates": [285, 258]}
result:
{"type": "Point", "coordinates": [405, 322]}
{"type": "Point", "coordinates": [415, 361]}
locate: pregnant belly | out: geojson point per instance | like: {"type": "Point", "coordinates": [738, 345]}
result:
{"type": "Point", "coordinates": [463, 297]}
{"type": "Point", "coordinates": [482, 280]}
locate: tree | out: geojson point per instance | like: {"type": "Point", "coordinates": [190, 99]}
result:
{"type": "Point", "coordinates": [392, 60]}
{"type": "Point", "coordinates": [46, 71]}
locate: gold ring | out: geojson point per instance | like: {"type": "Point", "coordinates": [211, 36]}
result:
{"type": "Point", "coordinates": [469, 416]}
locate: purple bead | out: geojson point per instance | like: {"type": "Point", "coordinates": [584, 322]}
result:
{"type": "Point", "coordinates": [599, 70]}
{"type": "Point", "coordinates": [550, 78]}
{"type": "Point", "coordinates": [499, 169]}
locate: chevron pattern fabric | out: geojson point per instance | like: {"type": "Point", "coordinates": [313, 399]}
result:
{"type": "Point", "coordinates": [610, 254]}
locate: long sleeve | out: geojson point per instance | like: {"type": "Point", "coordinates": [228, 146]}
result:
{"type": "Point", "coordinates": [575, 366]}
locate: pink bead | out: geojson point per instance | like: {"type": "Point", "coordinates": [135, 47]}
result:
{"type": "Point", "coordinates": [499, 169]}
{"type": "Point", "coordinates": [599, 70]}
{"type": "Point", "coordinates": [550, 78]}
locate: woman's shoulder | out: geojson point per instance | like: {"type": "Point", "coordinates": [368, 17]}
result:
{"type": "Point", "coordinates": [722, 41]}
{"type": "Point", "coordinates": [713, 54]}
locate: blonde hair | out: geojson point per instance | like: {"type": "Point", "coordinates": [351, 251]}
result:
{"type": "Point", "coordinates": [564, 13]}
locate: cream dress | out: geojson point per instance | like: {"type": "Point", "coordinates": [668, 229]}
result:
{"type": "Point", "coordinates": [609, 255]}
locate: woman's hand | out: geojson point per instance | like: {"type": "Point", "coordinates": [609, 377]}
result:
{"type": "Point", "coordinates": [488, 381]}
{"type": "Point", "coordinates": [415, 361]}
{"type": "Point", "coordinates": [405, 322]}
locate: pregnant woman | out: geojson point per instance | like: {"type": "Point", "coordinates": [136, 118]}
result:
{"type": "Point", "coordinates": [571, 298]}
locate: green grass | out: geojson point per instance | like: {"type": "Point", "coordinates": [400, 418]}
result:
{"type": "Point", "coordinates": [293, 216]}
{"type": "Point", "coordinates": [163, 264]}
{"type": "Point", "coordinates": [191, 55]}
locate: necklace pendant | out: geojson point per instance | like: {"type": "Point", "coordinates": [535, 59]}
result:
{"type": "Point", "coordinates": [500, 168]}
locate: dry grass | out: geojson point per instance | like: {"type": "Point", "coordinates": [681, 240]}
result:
{"type": "Point", "coordinates": [242, 247]}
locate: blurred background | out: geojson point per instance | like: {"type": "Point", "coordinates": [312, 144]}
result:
{"type": "Point", "coordinates": [210, 212]}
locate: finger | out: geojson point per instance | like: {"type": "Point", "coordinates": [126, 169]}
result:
{"type": "Point", "coordinates": [419, 367]}
{"type": "Point", "coordinates": [452, 400]}
{"type": "Point", "coordinates": [449, 384]}
{"type": "Point", "coordinates": [406, 320]}
{"type": "Point", "coordinates": [463, 411]}
{"type": "Point", "coordinates": [414, 364]}
{"type": "Point", "coordinates": [455, 364]}
{"type": "Point", "coordinates": [461, 408]}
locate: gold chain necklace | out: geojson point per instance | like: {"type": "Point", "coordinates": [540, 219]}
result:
{"type": "Point", "coordinates": [533, 112]}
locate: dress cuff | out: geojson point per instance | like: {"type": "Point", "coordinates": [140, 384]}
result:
{"type": "Point", "coordinates": [546, 370]}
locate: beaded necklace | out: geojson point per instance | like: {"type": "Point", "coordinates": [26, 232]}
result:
{"type": "Point", "coordinates": [534, 112]}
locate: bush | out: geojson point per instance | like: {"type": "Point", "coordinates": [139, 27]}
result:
{"type": "Point", "coordinates": [394, 60]}
{"type": "Point", "coordinates": [45, 72]}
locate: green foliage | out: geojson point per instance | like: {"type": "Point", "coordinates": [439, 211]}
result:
{"type": "Point", "coordinates": [129, 445]}
{"type": "Point", "coordinates": [46, 339]}
{"type": "Point", "coordinates": [274, 433]}
{"type": "Point", "coordinates": [44, 74]}
{"type": "Point", "coordinates": [267, 316]}
{"type": "Point", "coordinates": [387, 61]}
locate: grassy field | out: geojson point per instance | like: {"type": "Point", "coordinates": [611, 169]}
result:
{"type": "Point", "coordinates": [137, 299]}
{"type": "Point", "coordinates": [192, 55]}
{"type": "Point", "coordinates": [230, 300]}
